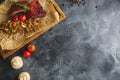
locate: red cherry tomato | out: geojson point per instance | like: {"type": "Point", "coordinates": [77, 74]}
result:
{"type": "Point", "coordinates": [15, 19]}
{"type": "Point", "coordinates": [31, 47]}
{"type": "Point", "coordinates": [22, 17]}
{"type": "Point", "coordinates": [26, 54]}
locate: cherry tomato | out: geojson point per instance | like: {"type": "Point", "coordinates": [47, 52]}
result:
{"type": "Point", "coordinates": [15, 19]}
{"type": "Point", "coordinates": [26, 54]}
{"type": "Point", "coordinates": [31, 47]}
{"type": "Point", "coordinates": [22, 17]}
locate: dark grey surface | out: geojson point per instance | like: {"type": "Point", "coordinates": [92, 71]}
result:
{"type": "Point", "coordinates": [85, 46]}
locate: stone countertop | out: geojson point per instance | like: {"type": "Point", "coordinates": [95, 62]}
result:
{"type": "Point", "coordinates": [85, 46]}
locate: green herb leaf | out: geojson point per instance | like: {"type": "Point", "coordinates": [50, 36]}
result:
{"type": "Point", "coordinates": [23, 6]}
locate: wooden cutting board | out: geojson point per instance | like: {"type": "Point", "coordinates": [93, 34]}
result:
{"type": "Point", "coordinates": [6, 54]}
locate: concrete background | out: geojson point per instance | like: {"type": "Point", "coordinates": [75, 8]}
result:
{"type": "Point", "coordinates": [85, 46]}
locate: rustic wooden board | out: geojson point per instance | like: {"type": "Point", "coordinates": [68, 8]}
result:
{"type": "Point", "coordinates": [6, 54]}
